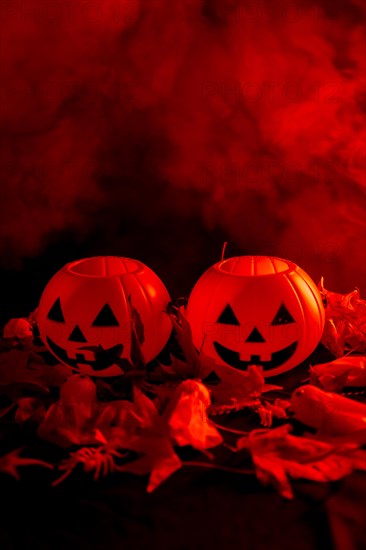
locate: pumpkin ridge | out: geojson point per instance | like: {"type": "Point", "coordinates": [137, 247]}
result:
{"type": "Point", "coordinates": [125, 300]}
{"type": "Point", "coordinates": [273, 265]}
{"type": "Point", "coordinates": [296, 292]}
{"type": "Point", "coordinates": [149, 309]}
{"type": "Point", "coordinates": [212, 297]}
{"type": "Point", "coordinates": [315, 296]}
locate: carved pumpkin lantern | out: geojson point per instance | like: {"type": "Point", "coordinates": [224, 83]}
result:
{"type": "Point", "coordinates": [88, 309]}
{"type": "Point", "coordinates": [256, 310]}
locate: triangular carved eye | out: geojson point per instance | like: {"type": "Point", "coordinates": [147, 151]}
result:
{"type": "Point", "coordinates": [228, 317]}
{"type": "Point", "coordinates": [105, 318]}
{"type": "Point", "coordinates": [282, 317]}
{"type": "Point", "coordinates": [55, 313]}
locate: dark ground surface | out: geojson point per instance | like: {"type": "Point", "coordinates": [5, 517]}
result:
{"type": "Point", "coordinates": [190, 511]}
{"type": "Point", "coordinates": [194, 509]}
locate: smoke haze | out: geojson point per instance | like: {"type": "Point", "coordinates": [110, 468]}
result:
{"type": "Point", "coordinates": [159, 128]}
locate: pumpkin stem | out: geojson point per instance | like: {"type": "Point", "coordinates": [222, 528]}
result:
{"type": "Point", "coordinates": [223, 251]}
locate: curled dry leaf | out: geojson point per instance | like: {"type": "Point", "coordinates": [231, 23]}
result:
{"type": "Point", "coordinates": [157, 460]}
{"type": "Point", "coordinates": [78, 418]}
{"type": "Point", "coordinates": [71, 420]}
{"type": "Point", "coordinates": [183, 422]}
{"type": "Point", "coordinates": [139, 427]}
{"type": "Point", "coordinates": [137, 324]}
{"type": "Point", "coordinates": [137, 338]}
{"type": "Point", "coordinates": [345, 325]}
{"type": "Point", "coordinates": [147, 434]}
{"type": "Point", "coordinates": [279, 456]}
{"type": "Point", "coordinates": [30, 408]}
{"type": "Point", "coordinates": [335, 375]}
{"type": "Point", "coordinates": [230, 389]}
{"type": "Point", "coordinates": [18, 328]}
{"type": "Point", "coordinates": [150, 428]}
{"type": "Point", "coordinates": [184, 336]}
{"type": "Point", "coordinates": [23, 369]}
{"type": "Point", "coordinates": [177, 371]}
{"type": "Point", "coordinates": [235, 389]}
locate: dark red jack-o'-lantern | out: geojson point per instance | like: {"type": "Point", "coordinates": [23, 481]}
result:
{"type": "Point", "coordinates": [256, 310]}
{"type": "Point", "coordinates": [86, 312]}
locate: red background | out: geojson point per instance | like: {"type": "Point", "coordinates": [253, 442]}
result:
{"type": "Point", "coordinates": [158, 129]}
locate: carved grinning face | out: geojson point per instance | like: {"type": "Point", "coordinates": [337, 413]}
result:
{"type": "Point", "coordinates": [254, 350]}
{"type": "Point", "coordinates": [82, 351]}
{"type": "Point", "coordinates": [86, 313]}
{"type": "Point", "coordinates": [256, 310]}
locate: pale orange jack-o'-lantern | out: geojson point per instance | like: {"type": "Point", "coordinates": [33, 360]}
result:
{"type": "Point", "coordinates": [256, 310]}
{"type": "Point", "coordinates": [86, 311]}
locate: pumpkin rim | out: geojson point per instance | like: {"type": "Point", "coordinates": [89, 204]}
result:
{"type": "Point", "coordinates": [291, 266]}
{"type": "Point", "coordinates": [139, 267]}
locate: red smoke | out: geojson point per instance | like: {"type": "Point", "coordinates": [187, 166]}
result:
{"type": "Point", "coordinates": [253, 111]}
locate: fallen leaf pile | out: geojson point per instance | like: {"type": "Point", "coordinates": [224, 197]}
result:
{"type": "Point", "coordinates": [230, 390]}
{"type": "Point", "coordinates": [341, 373]}
{"type": "Point", "coordinates": [345, 324]}
{"type": "Point", "coordinates": [144, 422]}
{"type": "Point", "coordinates": [280, 456]}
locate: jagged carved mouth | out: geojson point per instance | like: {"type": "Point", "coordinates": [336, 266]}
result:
{"type": "Point", "coordinates": [104, 358]}
{"type": "Point", "coordinates": [232, 358]}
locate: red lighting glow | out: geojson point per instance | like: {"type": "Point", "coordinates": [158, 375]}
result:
{"type": "Point", "coordinates": [247, 117]}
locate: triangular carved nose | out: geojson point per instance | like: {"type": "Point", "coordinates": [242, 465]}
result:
{"type": "Point", "coordinates": [255, 336]}
{"type": "Point", "coordinates": [77, 335]}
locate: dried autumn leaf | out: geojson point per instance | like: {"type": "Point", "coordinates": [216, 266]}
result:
{"type": "Point", "coordinates": [30, 408]}
{"type": "Point", "coordinates": [66, 426]}
{"type": "Point", "coordinates": [18, 328]}
{"type": "Point", "coordinates": [71, 420]}
{"type": "Point", "coordinates": [157, 459]}
{"type": "Point", "coordinates": [184, 336]}
{"type": "Point", "coordinates": [146, 412]}
{"type": "Point", "coordinates": [13, 366]}
{"type": "Point", "coordinates": [137, 338]}
{"type": "Point", "coordinates": [78, 418]}
{"type": "Point", "coordinates": [335, 375]}
{"type": "Point", "coordinates": [345, 326]}
{"type": "Point", "coordinates": [177, 370]}
{"type": "Point", "coordinates": [23, 369]}
{"type": "Point", "coordinates": [279, 456]}
{"type": "Point", "coordinates": [329, 382]}
{"type": "Point", "coordinates": [236, 389]}
{"type": "Point", "coordinates": [49, 375]}
{"type": "Point", "coordinates": [231, 390]}
{"type": "Point", "coordinates": [138, 325]}
{"type": "Point", "coordinates": [147, 434]}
